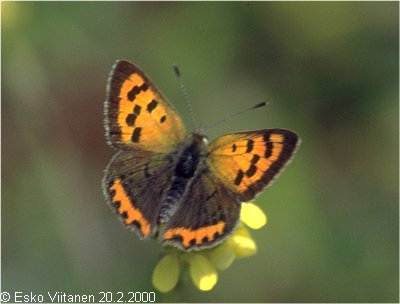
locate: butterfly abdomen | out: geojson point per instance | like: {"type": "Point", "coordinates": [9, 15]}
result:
{"type": "Point", "coordinates": [174, 194]}
{"type": "Point", "coordinates": [185, 170]}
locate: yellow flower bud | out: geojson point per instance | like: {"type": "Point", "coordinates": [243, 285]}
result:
{"type": "Point", "coordinates": [242, 243]}
{"type": "Point", "coordinates": [252, 216]}
{"type": "Point", "coordinates": [166, 274]}
{"type": "Point", "coordinates": [222, 256]}
{"type": "Point", "coordinates": [203, 274]}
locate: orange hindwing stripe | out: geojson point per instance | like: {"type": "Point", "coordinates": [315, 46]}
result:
{"type": "Point", "coordinates": [195, 236]}
{"type": "Point", "coordinates": [127, 210]}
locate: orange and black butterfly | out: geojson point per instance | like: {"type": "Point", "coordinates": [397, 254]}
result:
{"type": "Point", "coordinates": [164, 182]}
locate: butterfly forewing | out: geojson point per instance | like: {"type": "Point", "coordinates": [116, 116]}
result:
{"type": "Point", "coordinates": [246, 162]}
{"type": "Point", "coordinates": [137, 115]}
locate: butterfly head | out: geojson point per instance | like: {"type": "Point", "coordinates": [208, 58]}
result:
{"type": "Point", "coordinates": [199, 140]}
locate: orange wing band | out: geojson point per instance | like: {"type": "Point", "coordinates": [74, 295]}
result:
{"type": "Point", "coordinates": [143, 115]}
{"type": "Point", "coordinates": [248, 162]}
{"type": "Point", "coordinates": [197, 236]}
{"type": "Point", "coordinates": [126, 209]}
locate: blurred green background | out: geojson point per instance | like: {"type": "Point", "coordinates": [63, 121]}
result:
{"type": "Point", "coordinates": [330, 73]}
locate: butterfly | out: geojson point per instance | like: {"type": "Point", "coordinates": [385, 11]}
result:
{"type": "Point", "coordinates": [175, 186]}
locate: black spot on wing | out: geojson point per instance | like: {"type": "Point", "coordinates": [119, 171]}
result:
{"type": "Point", "coordinates": [251, 171]}
{"type": "Point", "coordinates": [177, 238]}
{"type": "Point", "coordinates": [152, 105]}
{"type": "Point", "coordinates": [215, 236]}
{"type": "Point", "coordinates": [250, 146]}
{"type": "Point", "coordinates": [255, 159]}
{"type": "Point", "coordinates": [136, 90]}
{"type": "Point", "coordinates": [268, 151]}
{"type": "Point", "coordinates": [116, 205]}
{"type": "Point", "coordinates": [136, 135]}
{"type": "Point", "coordinates": [136, 224]}
{"type": "Point", "coordinates": [137, 109]}
{"type": "Point", "coordinates": [239, 178]}
{"type": "Point", "coordinates": [130, 119]}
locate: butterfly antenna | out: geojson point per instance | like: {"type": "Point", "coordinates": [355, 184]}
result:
{"type": "Point", "coordinates": [185, 95]}
{"type": "Point", "coordinates": [259, 105]}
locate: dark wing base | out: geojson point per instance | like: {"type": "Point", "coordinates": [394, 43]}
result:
{"type": "Point", "coordinates": [204, 218]}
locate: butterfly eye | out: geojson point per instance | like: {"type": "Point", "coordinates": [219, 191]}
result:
{"type": "Point", "coordinates": [205, 140]}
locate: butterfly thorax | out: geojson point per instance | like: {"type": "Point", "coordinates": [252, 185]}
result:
{"type": "Point", "coordinates": [194, 147]}
{"type": "Point", "coordinates": [190, 161]}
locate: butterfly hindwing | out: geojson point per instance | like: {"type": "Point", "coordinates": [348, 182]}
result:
{"type": "Point", "coordinates": [246, 162]}
{"type": "Point", "coordinates": [129, 187]}
{"type": "Point", "coordinates": [206, 216]}
{"type": "Point", "coordinates": [136, 113]}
